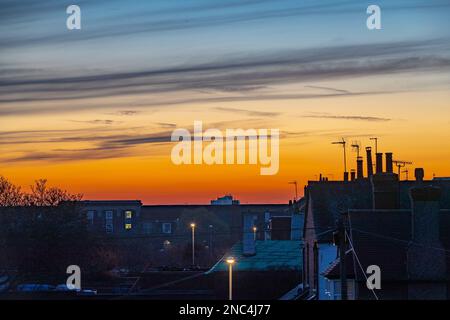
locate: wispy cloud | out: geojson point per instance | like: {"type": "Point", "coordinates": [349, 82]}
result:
{"type": "Point", "coordinates": [127, 112]}
{"type": "Point", "coordinates": [346, 117]}
{"type": "Point", "coordinates": [97, 121]}
{"type": "Point", "coordinates": [251, 113]}
{"type": "Point", "coordinates": [150, 19]}
{"type": "Point", "coordinates": [329, 89]}
{"type": "Point", "coordinates": [255, 72]}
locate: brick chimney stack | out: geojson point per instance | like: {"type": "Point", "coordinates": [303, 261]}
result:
{"type": "Point", "coordinates": [352, 175]}
{"type": "Point", "coordinates": [426, 256]}
{"type": "Point", "coordinates": [359, 168]}
{"type": "Point", "coordinates": [389, 167]}
{"type": "Point", "coordinates": [369, 162]}
{"type": "Point", "coordinates": [379, 163]}
{"type": "Point", "coordinates": [419, 174]}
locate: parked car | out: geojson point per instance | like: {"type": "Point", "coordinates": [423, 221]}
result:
{"type": "Point", "coordinates": [80, 292]}
{"type": "Point", "coordinates": [35, 287]}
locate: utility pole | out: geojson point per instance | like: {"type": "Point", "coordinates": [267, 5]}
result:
{"type": "Point", "coordinates": [295, 184]}
{"type": "Point", "coordinates": [342, 266]}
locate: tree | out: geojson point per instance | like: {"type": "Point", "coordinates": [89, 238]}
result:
{"type": "Point", "coordinates": [10, 195]}
{"type": "Point", "coordinates": [42, 231]}
{"type": "Point", "coordinates": [40, 195]}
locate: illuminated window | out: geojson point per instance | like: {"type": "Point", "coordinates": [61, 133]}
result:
{"type": "Point", "coordinates": [128, 226]}
{"type": "Point", "coordinates": [128, 214]}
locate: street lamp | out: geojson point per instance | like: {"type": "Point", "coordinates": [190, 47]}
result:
{"type": "Point", "coordinates": [193, 243]}
{"type": "Point", "coordinates": [230, 261]}
{"type": "Point", "coordinates": [254, 232]}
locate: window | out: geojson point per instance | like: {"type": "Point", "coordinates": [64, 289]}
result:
{"type": "Point", "coordinates": [128, 214]}
{"type": "Point", "coordinates": [90, 216]}
{"type": "Point", "coordinates": [166, 228]}
{"type": "Point", "coordinates": [147, 227]}
{"type": "Point", "coordinates": [109, 226]}
{"type": "Point", "coordinates": [128, 226]}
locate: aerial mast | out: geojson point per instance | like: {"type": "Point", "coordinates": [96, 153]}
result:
{"type": "Point", "coordinates": [343, 142]}
{"type": "Point", "coordinates": [295, 184]}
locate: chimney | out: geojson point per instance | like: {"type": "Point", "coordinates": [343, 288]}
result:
{"type": "Point", "coordinates": [352, 175]}
{"type": "Point", "coordinates": [426, 258]}
{"type": "Point", "coordinates": [389, 168]}
{"type": "Point", "coordinates": [345, 176]}
{"type": "Point", "coordinates": [419, 174]}
{"type": "Point", "coordinates": [385, 188]}
{"type": "Point", "coordinates": [369, 162]}
{"type": "Point", "coordinates": [320, 177]}
{"type": "Point", "coordinates": [359, 168]}
{"type": "Point", "coordinates": [248, 241]}
{"type": "Point", "coordinates": [379, 163]}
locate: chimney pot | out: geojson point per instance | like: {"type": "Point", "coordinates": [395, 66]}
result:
{"type": "Point", "coordinates": [345, 176]}
{"type": "Point", "coordinates": [369, 162]}
{"type": "Point", "coordinates": [352, 175]}
{"type": "Point", "coordinates": [385, 190]}
{"type": "Point", "coordinates": [419, 174]}
{"type": "Point", "coordinates": [389, 167]}
{"type": "Point", "coordinates": [379, 163]}
{"type": "Point", "coordinates": [359, 168]}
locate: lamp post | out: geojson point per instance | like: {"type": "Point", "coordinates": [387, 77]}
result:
{"type": "Point", "coordinates": [193, 243]}
{"type": "Point", "coordinates": [230, 261]}
{"type": "Point", "coordinates": [254, 232]}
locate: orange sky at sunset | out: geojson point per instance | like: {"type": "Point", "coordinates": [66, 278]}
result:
{"type": "Point", "coordinates": [93, 110]}
{"type": "Point", "coordinates": [417, 130]}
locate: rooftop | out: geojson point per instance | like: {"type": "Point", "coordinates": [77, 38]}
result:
{"type": "Point", "coordinates": [271, 255]}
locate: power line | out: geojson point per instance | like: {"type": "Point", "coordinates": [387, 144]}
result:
{"type": "Point", "coordinates": [359, 263]}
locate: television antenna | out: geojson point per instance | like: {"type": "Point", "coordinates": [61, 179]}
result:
{"type": "Point", "coordinates": [345, 156]}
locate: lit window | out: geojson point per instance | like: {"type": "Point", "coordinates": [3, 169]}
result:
{"type": "Point", "coordinates": [128, 226]}
{"type": "Point", "coordinates": [128, 214]}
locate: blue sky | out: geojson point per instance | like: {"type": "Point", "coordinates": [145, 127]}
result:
{"type": "Point", "coordinates": [131, 35]}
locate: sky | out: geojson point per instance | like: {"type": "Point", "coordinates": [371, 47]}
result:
{"type": "Point", "coordinates": [92, 110]}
